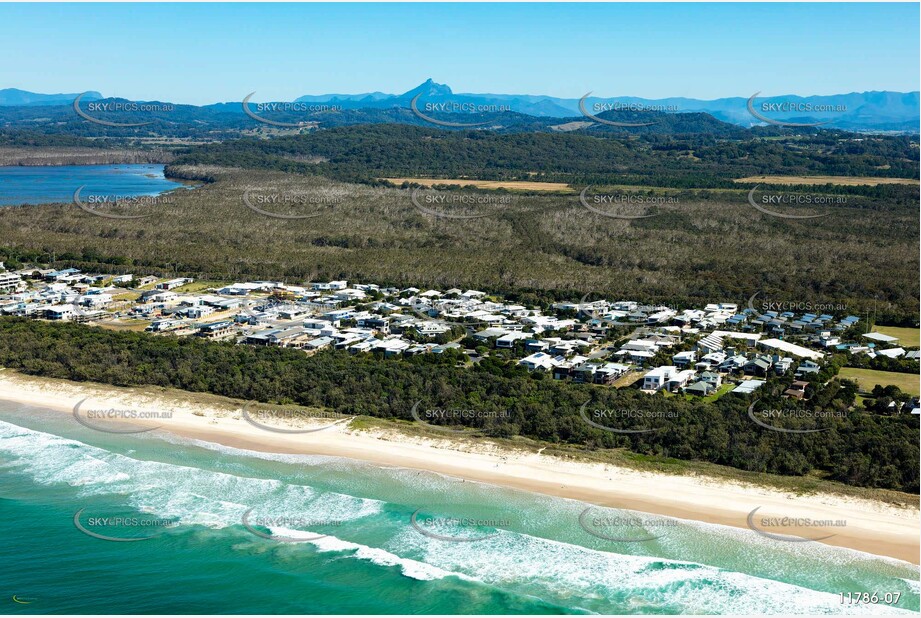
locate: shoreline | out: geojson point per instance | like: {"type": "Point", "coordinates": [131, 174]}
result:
{"type": "Point", "coordinates": [871, 527]}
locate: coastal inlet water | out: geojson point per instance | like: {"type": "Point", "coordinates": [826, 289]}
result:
{"type": "Point", "coordinates": [222, 530]}
{"type": "Point", "coordinates": [49, 184]}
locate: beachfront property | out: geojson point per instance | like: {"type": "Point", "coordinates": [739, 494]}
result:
{"type": "Point", "coordinates": [695, 351]}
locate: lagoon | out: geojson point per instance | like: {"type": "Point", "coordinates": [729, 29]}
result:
{"type": "Point", "coordinates": [21, 185]}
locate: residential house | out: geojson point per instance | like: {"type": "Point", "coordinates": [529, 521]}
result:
{"type": "Point", "coordinates": [391, 347]}
{"type": "Point", "coordinates": [540, 361]}
{"type": "Point", "coordinates": [710, 361]}
{"type": "Point", "coordinates": [807, 368]}
{"type": "Point", "coordinates": [508, 341]}
{"type": "Point", "coordinates": [733, 363]}
{"type": "Point", "coordinates": [159, 326]}
{"type": "Point", "coordinates": [535, 345]}
{"type": "Point", "coordinates": [684, 359]}
{"type": "Point", "coordinates": [11, 282]}
{"type": "Point", "coordinates": [215, 330]}
{"type": "Point", "coordinates": [797, 390]}
{"type": "Point", "coordinates": [748, 387]}
{"type": "Point", "coordinates": [321, 342]}
{"type": "Point", "coordinates": [782, 365]}
{"type": "Point", "coordinates": [699, 389]}
{"type": "Point", "coordinates": [758, 366]}
{"type": "Point", "coordinates": [60, 312]}
{"type": "Point", "coordinates": [609, 372]}
{"type": "Point", "coordinates": [657, 379]}
{"type": "Point", "coordinates": [712, 378]}
{"type": "Point", "coordinates": [637, 357]}
{"type": "Point", "coordinates": [173, 283]}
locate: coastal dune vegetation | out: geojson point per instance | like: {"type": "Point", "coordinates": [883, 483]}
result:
{"type": "Point", "coordinates": [857, 447]}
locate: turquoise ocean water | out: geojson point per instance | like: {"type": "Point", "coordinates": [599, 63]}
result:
{"type": "Point", "coordinates": [360, 550]}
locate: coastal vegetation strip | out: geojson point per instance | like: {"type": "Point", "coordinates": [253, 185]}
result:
{"type": "Point", "coordinates": [508, 400]}
{"type": "Point", "coordinates": [392, 433]}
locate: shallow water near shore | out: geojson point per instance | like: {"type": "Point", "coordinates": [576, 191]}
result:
{"type": "Point", "coordinates": [362, 550]}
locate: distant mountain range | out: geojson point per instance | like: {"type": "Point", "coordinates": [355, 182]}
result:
{"type": "Point", "coordinates": [856, 111]}
{"type": "Point", "coordinates": [874, 110]}
{"type": "Point", "coordinates": [14, 96]}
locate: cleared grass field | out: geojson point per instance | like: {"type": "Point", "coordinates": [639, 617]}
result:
{"type": "Point", "coordinates": [908, 337]}
{"type": "Point", "coordinates": [200, 286]}
{"type": "Point", "coordinates": [826, 180]}
{"type": "Point", "coordinates": [521, 185]}
{"type": "Point", "coordinates": [124, 325]}
{"type": "Point", "coordinates": [868, 378]}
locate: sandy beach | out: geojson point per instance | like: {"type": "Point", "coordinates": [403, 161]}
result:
{"type": "Point", "coordinates": [870, 526]}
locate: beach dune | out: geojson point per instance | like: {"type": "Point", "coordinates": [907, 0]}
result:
{"type": "Point", "coordinates": [865, 525]}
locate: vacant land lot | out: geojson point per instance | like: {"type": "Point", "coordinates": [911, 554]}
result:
{"type": "Point", "coordinates": [868, 378]}
{"type": "Point", "coordinates": [908, 337]}
{"type": "Point", "coordinates": [520, 185]}
{"type": "Point", "coordinates": [827, 180]}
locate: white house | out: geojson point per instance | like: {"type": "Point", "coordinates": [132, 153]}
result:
{"type": "Point", "coordinates": [539, 361]}
{"type": "Point", "coordinates": [684, 359]}
{"type": "Point", "coordinates": [391, 347]}
{"type": "Point", "coordinates": [668, 377]}
{"type": "Point", "coordinates": [60, 312]}
{"type": "Point", "coordinates": [10, 281]}
{"type": "Point", "coordinates": [508, 341]}
{"type": "Point", "coordinates": [656, 379]}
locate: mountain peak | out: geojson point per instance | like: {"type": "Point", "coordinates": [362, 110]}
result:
{"type": "Point", "coordinates": [429, 88]}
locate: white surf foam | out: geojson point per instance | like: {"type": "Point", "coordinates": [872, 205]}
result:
{"type": "Point", "coordinates": [193, 495]}
{"type": "Point", "coordinates": [574, 572]}
{"type": "Point", "coordinates": [528, 564]}
{"type": "Point", "coordinates": [410, 568]}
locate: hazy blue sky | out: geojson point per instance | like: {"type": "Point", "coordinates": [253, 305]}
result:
{"type": "Point", "coordinates": [202, 53]}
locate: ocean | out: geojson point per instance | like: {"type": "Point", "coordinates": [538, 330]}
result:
{"type": "Point", "coordinates": [223, 530]}
{"type": "Point", "coordinates": [57, 184]}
